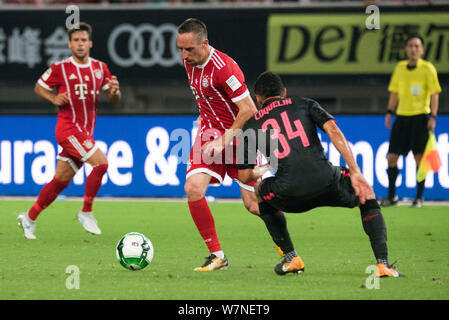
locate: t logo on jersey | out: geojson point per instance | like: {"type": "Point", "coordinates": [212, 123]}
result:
{"type": "Point", "coordinates": [81, 90]}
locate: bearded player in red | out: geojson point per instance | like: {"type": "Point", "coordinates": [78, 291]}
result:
{"type": "Point", "coordinates": [225, 104]}
{"type": "Point", "coordinates": [78, 81]}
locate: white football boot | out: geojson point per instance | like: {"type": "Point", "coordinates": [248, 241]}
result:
{"type": "Point", "coordinates": [28, 225]}
{"type": "Point", "coordinates": [88, 221]}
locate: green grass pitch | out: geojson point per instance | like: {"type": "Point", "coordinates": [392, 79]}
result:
{"type": "Point", "coordinates": [331, 242]}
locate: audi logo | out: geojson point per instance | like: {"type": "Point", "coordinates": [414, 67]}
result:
{"type": "Point", "coordinates": [136, 45]}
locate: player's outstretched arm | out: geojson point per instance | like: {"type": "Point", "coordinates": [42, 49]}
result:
{"type": "Point", "coordinates": [362, 189]}
{"type": "Point", "coordinates": [59, 99]}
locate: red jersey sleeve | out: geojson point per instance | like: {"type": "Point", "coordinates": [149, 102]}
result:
{"type": "Point", "coordinates": [52, 77]}
{"type": "Point", "coordinates": [232, 81]}
{"type": "Point", "coordinates": [106, 76]}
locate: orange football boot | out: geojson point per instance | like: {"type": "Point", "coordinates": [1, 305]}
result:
{"type": "Point", "coordinates": [294, 266]}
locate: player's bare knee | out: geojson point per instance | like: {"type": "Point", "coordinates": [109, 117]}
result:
{"type": "Point", "coordinates": [194, 191]}
{"type": "Point", "coordinates": [251, 204]}
{"type": "Point", "coordinates": [97, 158]}
{"type": "Point", "coordinates": [253, 208]}
{"type": "Point", "coordinates": [64, 172]}
{"type": "Point", "coordinates": [64, 176]}
{"type": "Point", "coordinates": [392, 160]}
{"type": "Point", "coordinates": [104, 162]}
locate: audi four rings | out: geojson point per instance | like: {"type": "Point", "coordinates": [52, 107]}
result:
{"type": "Point", "coordinates": [136, 45]}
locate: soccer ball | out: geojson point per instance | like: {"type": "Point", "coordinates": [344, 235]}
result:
{"type": "Point", "coordinates": [134, 251]}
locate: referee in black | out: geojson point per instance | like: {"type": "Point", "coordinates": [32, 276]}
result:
{"type": "Point", "coordinates": [304, 178]}
{"type": "Point", "coordinates": [414, 91]}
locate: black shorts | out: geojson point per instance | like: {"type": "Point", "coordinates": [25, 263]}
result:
{"type": "Point", "coordinates": [409, 133]}
{"type": "Point", "coordinates": [339, 194]}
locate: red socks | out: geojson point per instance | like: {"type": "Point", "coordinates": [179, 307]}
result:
{"type": "Point", "coordinates": [52, 189]}
{"type": "Point", "coordinates": [47, 195]}
{"type": "Point", "coordinates": [93, 184]}
{"type": "Point", "coordinates": [205, 223]}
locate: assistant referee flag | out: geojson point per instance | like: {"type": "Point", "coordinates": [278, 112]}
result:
{"type": "Point", "coordinates": [430, 160]}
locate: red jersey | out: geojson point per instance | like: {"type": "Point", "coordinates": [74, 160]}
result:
{"type": "Point", "coordinates": [217, 85]}
{"type": "Point", "coordinates": [83, 84]}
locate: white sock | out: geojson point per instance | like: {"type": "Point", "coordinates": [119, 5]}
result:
{"type": "Point", "coordinates": [219, 254]}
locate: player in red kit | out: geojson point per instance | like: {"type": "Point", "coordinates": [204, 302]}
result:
{"type": "Point", "coordinates": [225, 104]}
{"type": "Point", "coordinates": [78, 81]}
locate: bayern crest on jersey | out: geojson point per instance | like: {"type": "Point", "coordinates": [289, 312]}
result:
{"type": "Point", "coordinates": [205, 82]}
{"type": "Point", "coordinates": [98, 73]}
